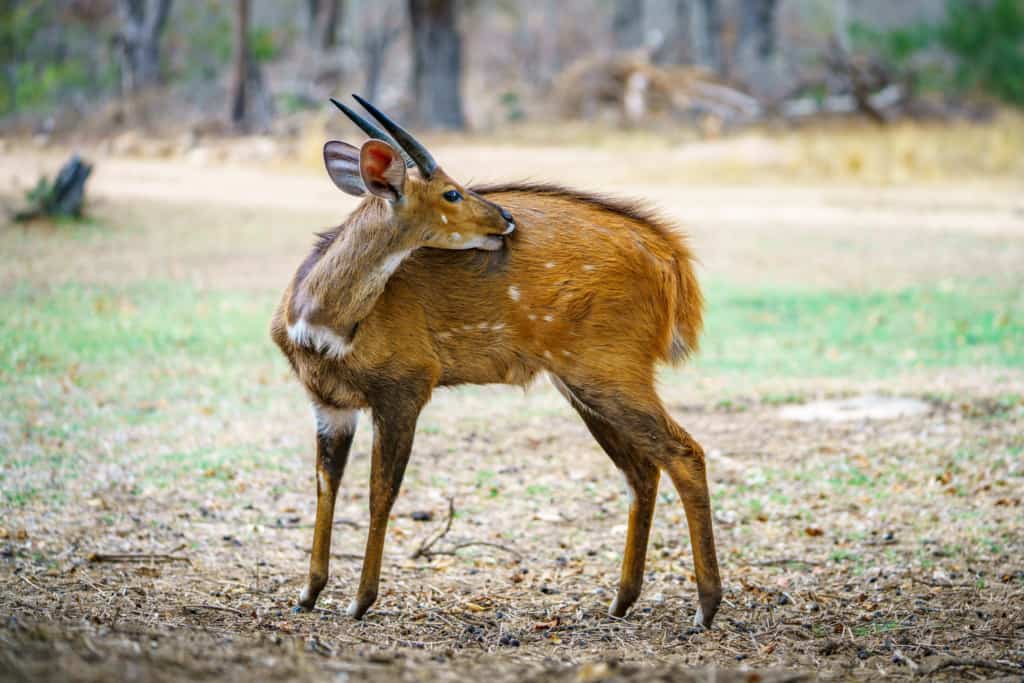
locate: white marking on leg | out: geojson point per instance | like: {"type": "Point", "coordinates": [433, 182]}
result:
{"type": "Point", "coordinates": [321, 480]}
{"type": "Point", "coordinates": [513, 293]}
{"type": "Point", "coordinates": [305, 594]}
{"type": "Point", "coordinates": [698, 618]}
{"type": "Point", "coordinates": [564, 389]}
{"type": "Point", "coordinates": [353, 608]}
{"type": "Point", "coordinates": [334, 421]}
{"type": "Point", "coordinates": [319, 338]}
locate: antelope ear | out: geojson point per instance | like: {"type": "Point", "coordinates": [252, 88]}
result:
{"type": "Point", "coordinates": [342, 162]}
{"type": "Point", "coordinates": [383, 169]}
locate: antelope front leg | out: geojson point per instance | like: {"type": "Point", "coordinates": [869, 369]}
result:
{"type": "Point", "coordinates": [334, 432]}
{"type": "Point", "coordinates": [393, 429]}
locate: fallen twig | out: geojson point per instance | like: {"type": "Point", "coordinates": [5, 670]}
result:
{"type": "Point", "coordinates": [783, 561]}
{"type": "Point", "coordinates": [424, 548]}
{"type": "Point", "coordinates": [971, 663]}
{"type": "Point", "coordinates": [218, 608]}
{"type": "Point", "coordinates": [337, 522]}
{"type": "Point", "coordinates": [459, 546]}
{"type": "Point", "coordinates": [136, 557]}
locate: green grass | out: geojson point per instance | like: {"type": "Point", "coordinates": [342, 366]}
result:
{"type": "Point", "coordinates": [163, 326]}
{"type": "Point", "coordinates": [826, 333]}
{"type": "Point", "coordinates": [143, 325]}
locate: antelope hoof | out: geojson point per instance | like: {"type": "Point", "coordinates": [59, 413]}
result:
{"type": "Point", "coordinates": [621, 605]}
{"type": "Point", "coordinates": [706, 610]}
{"type": "Point", "coordinates": [618, 610]}
{"type": "Point", "coordinates": [358, 607]}
{"type": "Point", "coordinates": [307, 600]}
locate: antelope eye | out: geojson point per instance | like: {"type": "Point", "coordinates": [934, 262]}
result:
{"type": "Point", "coordinates": [452, 196]}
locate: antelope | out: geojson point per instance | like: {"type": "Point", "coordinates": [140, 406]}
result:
{"type": "Point", "coordinates": [429, 283]}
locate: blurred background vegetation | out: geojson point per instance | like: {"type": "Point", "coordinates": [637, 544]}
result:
{"type": "Point", "coordinates": [220, 66]}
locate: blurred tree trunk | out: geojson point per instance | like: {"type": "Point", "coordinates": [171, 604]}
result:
{"type": "Point", "coordinates": [240, 69]}
{"type": "Point", "coordinates": [710, 32]}
{"type": "Point", "coordinates": [757, 28]}
{"type": "Point", "coordinates": [142, 24]}
{"type": "Point", "coordinates": [628, 24]}
{"type": "Point", "coordinates": [675, 47]}
{"type": "Point", "coordinates": [841, 16]}
{"type": "Point", "coordinates": [437, 63]}
{"type": "Point", "coordinates": [377, 42]}
{"type": "Point", "coordinates": [322, 22]}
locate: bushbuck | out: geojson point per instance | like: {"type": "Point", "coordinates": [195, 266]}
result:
{"type": "Point", "coordinates": [429, 283]}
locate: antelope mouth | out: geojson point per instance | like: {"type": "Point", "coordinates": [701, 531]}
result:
{"type": "Point", "coordinates": [492, 242]}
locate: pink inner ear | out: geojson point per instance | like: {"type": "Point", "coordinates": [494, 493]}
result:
{"type": "Point", "coordinates": [376, 162]}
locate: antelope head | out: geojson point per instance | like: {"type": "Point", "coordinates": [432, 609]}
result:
{"type": "Point", "coordinates": [430, 207]}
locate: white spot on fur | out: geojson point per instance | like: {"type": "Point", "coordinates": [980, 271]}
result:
{"type": "Point", "coordinates": [548, 318]}
{"type": "Point", "coordinates": [444, 219]}
{"type": "Point", "coordinates": [444, 336]}
{"type": "Point", "coordinates": [334, 421]}
{"type": "Point", "coordinates": [549, 264]}
{"type": "Point", "coordinates": [498, 327]}
{"type": "Point", "coordinates": [467, 328]}
{"type": "Point", "coordinates": [567, 354]}
{"type": "Point", "coordinates": [588, 267]}
{"type": "Point", "coordinates": [513, 293]}
{"type": "Point", "coordinates": [484, 326]}
{"type": "Point", "coordinates": [455, 237]}
{"type": "Point", "coordinates": [319, 338]}
{"type": "Point", "coordinates": [532, 316]}
{"type": "Point", "coordinates": [547, 354]}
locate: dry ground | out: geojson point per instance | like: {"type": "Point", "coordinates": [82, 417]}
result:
{"type": "Point", "coordinates": [849, 550]}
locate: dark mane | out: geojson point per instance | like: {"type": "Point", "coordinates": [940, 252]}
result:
{"type": "Point", "coordinates": [627, 208]}
{"type": "Point", "coordinates": [324, 240]}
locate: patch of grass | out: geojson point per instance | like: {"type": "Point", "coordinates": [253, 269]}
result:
{"type": "Point", "coordinates": [151, 325]}
{"type": "Point", "coordinates": [876, 628]}
{"type": "Point", "coordinates": [827, 333]}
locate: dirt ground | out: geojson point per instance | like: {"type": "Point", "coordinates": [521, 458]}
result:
{"type": "Point", "coordinates": [855, 550]}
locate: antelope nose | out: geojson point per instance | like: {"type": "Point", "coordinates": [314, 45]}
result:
{"type": "Point", "coordinates": [510, 222]}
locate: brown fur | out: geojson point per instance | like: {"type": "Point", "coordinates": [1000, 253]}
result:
{"type": "Point", "coordinates": [592, 290]}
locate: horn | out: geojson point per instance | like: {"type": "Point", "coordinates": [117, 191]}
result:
{"type": "Point", "coordinates": [418, 152]}
{"type": "Point", "coordinates": [373, 131]}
